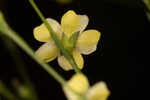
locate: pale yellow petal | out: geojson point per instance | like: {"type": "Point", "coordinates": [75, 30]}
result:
{"type": "Point", "coordinates": [71, 95]}
{"type": "Point", "coordinates": [87, 41]}
{"type": "Point", "coordinates": [98, 92]}
{"type": "Point", "coordinates": [64, 63]}
{"type": "Point", "coordinates": [79, 84]}
{"type": "Point", "coordinates": [42, 34]}
{"type": "Point", "coordinates": [83, 22]}
{"type": "Point", "coordinates": [69, 22]}
{"type": "Point", "coordinates": [55, 26]}
{"type": "Point", "coordinates": [48, 51]}
{"type": "Point", "coordinates": [88, 50]}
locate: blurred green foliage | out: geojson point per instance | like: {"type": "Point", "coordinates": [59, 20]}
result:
{"type": "Point", "coordinates": [5, 92]}
{"type": "Point", "coordinates": [64, 1]}
{"type": "Point", "coordinates": [147, 3]}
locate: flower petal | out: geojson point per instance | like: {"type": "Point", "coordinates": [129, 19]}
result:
{"type": "Point", "coordinates": [48, 51]}
{"type": "Point", "coordinates": [70, 94]}
{"type": "Point", "coordinates": [87, 41]}
{"type": "Point", "coordinates": [79, 83]}
{"type": "Point", "coordinates": [98, 92]}
{"type": "Point", "coordinates": [64, 63]}
{"type": "Point", "coordinates": [42, 34]}
{"type": "Point", "coordinates": [69, 22]}
{"type": "Point", "coordinates": [83, 22]}
{"type": "Point", "coordinates": [87, 50]}
{"type": "Point", "coordinates": [55, 26]}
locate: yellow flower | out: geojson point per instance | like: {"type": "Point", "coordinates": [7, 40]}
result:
{"type": "Point", "coordinates": [71, 23]}
{"type": "Point", "coordinates": [79, 84]}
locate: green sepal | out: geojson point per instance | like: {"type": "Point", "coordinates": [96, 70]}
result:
{"type": "Point", "coordinates": [70, 42]}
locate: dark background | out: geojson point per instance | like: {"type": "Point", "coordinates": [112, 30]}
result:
{"type": "Point", "coordinates": [124, 64]}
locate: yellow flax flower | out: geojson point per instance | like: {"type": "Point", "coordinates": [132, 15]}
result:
{"type": "Point", "coordinates": [71, 24]}
{"type": "Point", "coordinates": [79, 85]}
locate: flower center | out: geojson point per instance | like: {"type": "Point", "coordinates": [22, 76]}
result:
{"type": "Point", "coordinates": [70, 42]}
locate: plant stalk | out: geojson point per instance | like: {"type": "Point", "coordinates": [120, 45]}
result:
{"type": "Point", "coordinates": [53, 35]}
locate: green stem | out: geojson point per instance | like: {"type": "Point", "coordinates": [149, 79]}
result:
{"type": "Point", "coordinates": [57, 41]}
{"type": "Point", "coordinates": [5, 92]}
{"type": "Point", "coordinates": [20, 65]}
{"type": "Point", "coordinates": [5, 29]}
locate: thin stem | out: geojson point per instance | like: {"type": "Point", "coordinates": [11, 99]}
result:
{"type": "Point", "coordinates": [57, 41]}
{"type": "Point", "coordinates": [20, 65]}
{"type": "Point", "coordinates": [4, 28]}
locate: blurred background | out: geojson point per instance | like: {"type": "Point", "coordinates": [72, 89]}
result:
{"type": "Point", "coordinates": [123, 66]}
